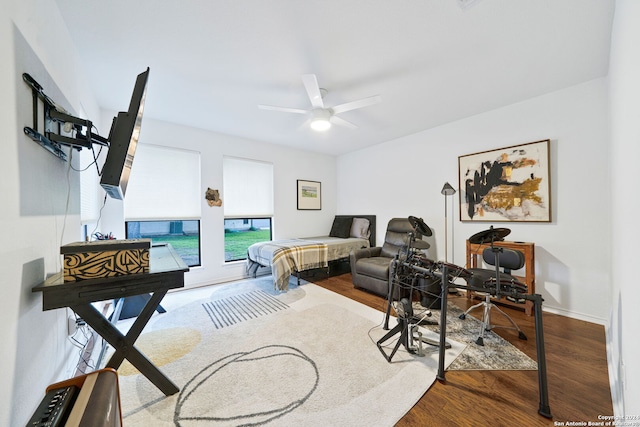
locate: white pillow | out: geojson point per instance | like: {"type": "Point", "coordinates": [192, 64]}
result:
{"type": "Point", "coordinates": [360, 228]}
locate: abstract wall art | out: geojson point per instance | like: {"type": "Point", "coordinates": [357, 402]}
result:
{"type": "Point", "coordinates": [510, 184]}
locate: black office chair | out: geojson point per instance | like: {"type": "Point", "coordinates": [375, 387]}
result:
{"type": "Point", "coordinates": [495, 282]}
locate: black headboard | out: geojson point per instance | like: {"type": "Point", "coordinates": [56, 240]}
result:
{"type": "Point", "coordinates": [372, 225]}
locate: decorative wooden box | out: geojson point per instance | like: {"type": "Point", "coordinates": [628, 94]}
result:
{"type": "Point", "coordinates": [105, 258]}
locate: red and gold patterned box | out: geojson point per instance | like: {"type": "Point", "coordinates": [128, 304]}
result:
{"type": "Point", "coordinates": [105, 258]}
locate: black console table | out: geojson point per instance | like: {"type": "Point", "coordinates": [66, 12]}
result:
{"type": "Point", "coordinates": [166, 271]}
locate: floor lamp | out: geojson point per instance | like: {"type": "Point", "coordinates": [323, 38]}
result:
{"type": "Point", "coordinates": [447, 190]}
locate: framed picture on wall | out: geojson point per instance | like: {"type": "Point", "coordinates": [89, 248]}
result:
{"type": "Point", "coordinates": [309, 195]}
{"type": "Point", "coordinates": [510, 184]}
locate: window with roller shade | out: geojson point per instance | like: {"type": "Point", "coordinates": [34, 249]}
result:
{"type": "Point", "coordinates": [90, 200]}
{"type": "Point", "coordinates": [163, 200]}
{"type": "Point", "coordinates": [91, 195]}
{"type": "Point", "coordinates": [248, 205]}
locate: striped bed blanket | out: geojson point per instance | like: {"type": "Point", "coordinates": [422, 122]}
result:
{"type": "Point", "coordinates": [286, 257]}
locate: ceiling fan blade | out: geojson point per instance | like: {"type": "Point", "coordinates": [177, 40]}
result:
{"type": "Point", "coordinates": [372, 100]}
{"type": "Point", "coordinates": [342, 122]}
{"type": "Point", "coordinates": [283, 109]}
{"type": "Point", "coordinates": [313, 90]}
{"type": "Point", "coordinates": [305, 125]}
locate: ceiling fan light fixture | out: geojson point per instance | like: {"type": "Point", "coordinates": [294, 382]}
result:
{"type": "Point", "coordinates": [320, 125]}
{"type": "Point", "coordinates": [320, 120]}
{"type": "Point", "coordinates": [320, 117]}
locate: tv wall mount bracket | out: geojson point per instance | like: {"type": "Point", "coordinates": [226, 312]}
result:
{"type": "Point", "coordinates": [57, 120]}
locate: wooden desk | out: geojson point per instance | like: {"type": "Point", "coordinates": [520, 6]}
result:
{"type": "Point", "coordinates": [474, 260]}
{"type": "Point", "coordinates": [166, 271]}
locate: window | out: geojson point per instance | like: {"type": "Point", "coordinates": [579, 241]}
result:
{"type": "Point", "coordinates": [163, 199]}
{"type": "Point", "coordinates": [90, 192]}
{"type": "Point", "coordinates": [240, 233]}
{"type": "Point", "coordinates": [91, 200]}
{"type": "Point", "coordinates": [184, 236]}
{"type": "Point", "coordinates": [248, 205]}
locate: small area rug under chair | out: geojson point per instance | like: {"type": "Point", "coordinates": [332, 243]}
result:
{"type": "Point", "coordinates": [496, 353]}
{"type": "Point", "coordinates": [244, 354]}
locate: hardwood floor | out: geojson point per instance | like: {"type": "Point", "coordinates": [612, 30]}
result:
{"type": "Point", "coordinates": [577, 374]}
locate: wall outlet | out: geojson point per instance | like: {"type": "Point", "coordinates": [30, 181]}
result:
{"type": "Point", "coordinates": [72, 326]}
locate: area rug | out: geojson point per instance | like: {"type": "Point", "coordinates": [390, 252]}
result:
{"type": "Point", "coordinates": [496, 353]}
{"type": "Point", "coordinates": [243, 354]}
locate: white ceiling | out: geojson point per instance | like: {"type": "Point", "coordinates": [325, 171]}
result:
{"type": "Point", "coordinates": [432, 62]}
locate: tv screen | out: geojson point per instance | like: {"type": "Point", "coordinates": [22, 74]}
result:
{"type": "Point", "coordinates": [123, 140]}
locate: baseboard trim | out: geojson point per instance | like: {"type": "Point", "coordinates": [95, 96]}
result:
{"type": "Point", "coordinates": [577, 316]}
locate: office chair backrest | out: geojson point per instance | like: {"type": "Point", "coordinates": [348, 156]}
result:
{"type": "Point", "coordinates": [509, 259]}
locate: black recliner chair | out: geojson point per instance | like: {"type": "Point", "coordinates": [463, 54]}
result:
{"type": "Point", "coordinates": [370, 266]}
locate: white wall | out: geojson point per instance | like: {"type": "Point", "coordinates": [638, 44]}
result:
{"type": "Point", "coordinates": [405, 177]}
{"type": "Point", "coordinates": [34, 216]}
{"type": "Point", "coordinates": [289, 165]}
{"type": "Point", "coordinates": [622, 336]}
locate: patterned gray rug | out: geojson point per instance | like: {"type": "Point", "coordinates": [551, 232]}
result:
{"type": "Point", "coordinates": [496, 354]}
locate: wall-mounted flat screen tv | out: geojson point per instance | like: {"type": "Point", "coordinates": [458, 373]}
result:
{"type": "Point", "coordinates": [123, 140]}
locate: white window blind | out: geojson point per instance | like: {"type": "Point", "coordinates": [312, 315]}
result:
{"type": "Point", "coordinates": [247, 188]}
{"type": "Point", "coordinates": [90, 194]}
{"type": "Point", "coordinates": [164, 184]}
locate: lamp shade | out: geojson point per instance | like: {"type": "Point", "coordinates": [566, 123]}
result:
{"type": "Point", "coordinates": [447, 189]}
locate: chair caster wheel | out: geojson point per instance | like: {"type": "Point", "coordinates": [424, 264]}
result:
{"type": "Point", "coordinates": [462, 316]}
{"type": "Point", "coordinates": [480, 341]}
{"type": "Point", "coordinates": [522, 336]}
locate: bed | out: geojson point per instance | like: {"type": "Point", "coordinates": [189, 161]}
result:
{"type": "Point", "coordinates": [286, 257]}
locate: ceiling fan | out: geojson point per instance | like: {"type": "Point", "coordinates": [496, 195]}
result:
{"type": "Point", "coordinates": [322, 117]}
